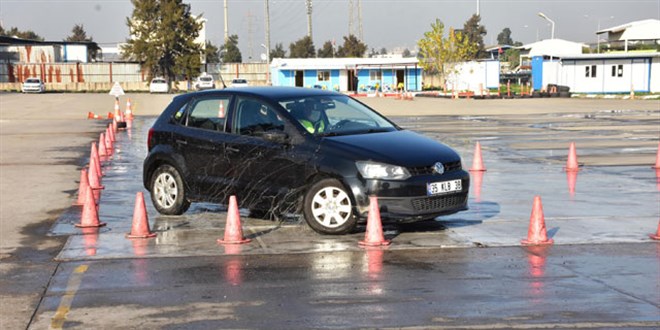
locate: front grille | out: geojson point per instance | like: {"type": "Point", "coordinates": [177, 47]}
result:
{"type": "Point", "coordinates": [426, 170]}
{"type": "Point", "coordinates": [438, 203]}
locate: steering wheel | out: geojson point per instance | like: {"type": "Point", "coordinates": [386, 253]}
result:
{"type": "Point", "coordinates": [340, 124]}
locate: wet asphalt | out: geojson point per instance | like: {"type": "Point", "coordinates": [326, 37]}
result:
{"type": "Point", "coordinates": [463, 271]}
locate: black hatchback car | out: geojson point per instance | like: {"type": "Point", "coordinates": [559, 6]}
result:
{"type": "Point", "coordinates": [287, 150]}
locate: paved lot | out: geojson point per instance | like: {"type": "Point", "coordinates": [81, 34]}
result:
{"type": "Point", "coordinates": [44, 140]}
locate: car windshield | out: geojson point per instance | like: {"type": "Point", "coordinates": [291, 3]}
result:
{"type": "Point", "coordinates": [32, 81]}
{"type": "Point", "coordinates": [335, 115]}
{"type": "Point", "coordinates": [239, 81]}
{"type": "Point", "coordinates": [206, 78]}
{"type": "Point", "coordinates": [158, 81]}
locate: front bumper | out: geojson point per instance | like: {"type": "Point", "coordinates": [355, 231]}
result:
{"type": "Point", "coordinates": [407, 201]}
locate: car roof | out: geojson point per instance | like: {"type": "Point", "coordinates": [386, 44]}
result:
{"type": "Point", "coordinates": [275, 93]}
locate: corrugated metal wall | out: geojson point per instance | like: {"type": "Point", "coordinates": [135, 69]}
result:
{"type": "Point", "coordinates": [93, 73]}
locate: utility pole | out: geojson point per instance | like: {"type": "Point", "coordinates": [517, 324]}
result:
{"type": "Point", "coordinates": [226, 24]}
{"type": "Point", "coordinates": [350, 18]}
{"type": "Point", "coordinates": [360, 32]}
{"type": "Point", "coordinates": [478, 8]}
{"type": "Point", "coordinates": [267, 23]}
{"type": "Point", "coordinates": [309, 18]}
{"type": "Point", "coordinates": [249, 22]}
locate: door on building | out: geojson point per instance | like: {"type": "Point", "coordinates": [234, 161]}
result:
{"type": "Point", "coordinates": [352, 81]}
{"type": "Point", "coordinates": [300, 82]}
{"type": "Point", "coordinates": [400, 77]}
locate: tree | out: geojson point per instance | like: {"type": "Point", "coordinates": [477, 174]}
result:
{"type": "Point", "coordinates": [303, 48]}
{"type": "Point", "coordinates": [383, 51]}
{"type": "Point", "coordinates": [327, 51]}
{"type": "Point", "coordinates": [163, 34]}
{"type": "Point", "coordinates": [352, 47]}
{"type": "Point", "coordinates": [231, 52]}
{"type": "Point", "coordinates": [512, 55]}
{"type": "Point", "coordinates": [504, 38]}
{"type": "Point", "coordinates": [475, 32]}
{"type": "Point", "coordinates": [440, 54]}
{"type": "Point", "coordinates": [78, 34]}
{"type": "Point", "coordinates": [15, 32]}
{"type": "Point", "coordinates": [406, 53]}
{"type": "Point", "coordinates": [212, 52]}
{"type": "Point", "coordinates": [278, 52]}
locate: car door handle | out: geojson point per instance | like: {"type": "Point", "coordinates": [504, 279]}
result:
{"type": "Point", "coordinates": [182, 142]}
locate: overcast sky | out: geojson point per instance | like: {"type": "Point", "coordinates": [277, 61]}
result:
{"type": "Point", "coordinates": [386, 23]}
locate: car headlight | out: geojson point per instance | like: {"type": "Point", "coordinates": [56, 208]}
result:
{"type": "Point", "coordinates": [373, 170]}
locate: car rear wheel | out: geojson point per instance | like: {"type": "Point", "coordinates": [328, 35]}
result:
{"type": "Point", "coordinates": [167, 191]}
{"type": "Point", "coordinates": [328, 208]}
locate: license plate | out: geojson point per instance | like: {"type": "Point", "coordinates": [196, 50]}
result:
{"type": "Point", "coordinates": [435, 188]}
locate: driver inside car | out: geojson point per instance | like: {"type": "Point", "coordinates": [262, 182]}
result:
{"type": "Point", "coordinates": [309, 115]}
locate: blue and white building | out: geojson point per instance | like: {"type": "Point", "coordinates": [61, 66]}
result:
{"type": "Point", "coordinates": [348, 74]}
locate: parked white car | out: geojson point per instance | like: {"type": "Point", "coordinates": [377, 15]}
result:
{"type": "Point", "coordinates": [159, 85]}
{"type": "Point", "coordinates": [239, 82]}
{"type": "Point", "coordinates": [204, 82]}
{"type": "Point", "coordinates": [34, 85]}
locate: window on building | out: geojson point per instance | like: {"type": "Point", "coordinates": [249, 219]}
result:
{"type": "Point", "coordinates": [375, 75]}
{"type": "Point", "coordinates": [323, 76]}
{"type": "Point", "coordinates": [590, 71]}
{"type": "Point", "coordinates": [617, 70]}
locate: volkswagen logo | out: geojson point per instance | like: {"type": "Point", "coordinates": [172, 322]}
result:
{"type": "Point", "coordinates": [439, 168]}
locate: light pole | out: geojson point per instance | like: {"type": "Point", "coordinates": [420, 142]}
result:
{"type": "Point", "coordinates": [598, 30]}
{"type": "Point", "coordinates": [542, 15]}
{"type": "Point", "coordinates": [267, 64]}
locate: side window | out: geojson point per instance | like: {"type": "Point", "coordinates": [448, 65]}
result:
{"type": "Point", "coordinates": [254, 117]}
{"type": "Point", "coordinates": [208, 114]}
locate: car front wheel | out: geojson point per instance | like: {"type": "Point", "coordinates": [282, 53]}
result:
{"type": "Point", "coordinates": [328, 208]}
{"type": "Point", "coordinates": [167, 191]}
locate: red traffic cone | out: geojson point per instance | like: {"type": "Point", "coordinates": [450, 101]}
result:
{"type": "Point", "coordinates": [110, 133]}
{"type": "Point", "coordinates": [537, 234]}
{"type": "Point", "coordinates": [657, 159]}
{"type": "Point", "coordinates": [477, 162]}
{"type": "Point", "coordinates": [571, 162]}
{"type": "Point", "coordinates": [233, 230]}
{"type": "Point", "coordinates": [90, 216]}
{"type": "Point", "coordinates": [374, 234]}
{"type": "Point", "coordinates": [82, 187]}
{"type": "Point", "coordinates": [656, 236]}
{"type": "Point", "coordinates": [571, 178]}
{"type": "Point", "coordinates": [103, 151]}
{"type": "Point", "coordinates": [91, 115]}
{"type": "Point", "coordinates": [140, 227]}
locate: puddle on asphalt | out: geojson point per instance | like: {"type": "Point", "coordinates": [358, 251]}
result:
{"type": "Point", "coordinates": [622, 199]}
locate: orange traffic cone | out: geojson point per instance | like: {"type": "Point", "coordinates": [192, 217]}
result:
{"type": "Point", "coordinates": [110, 115]}
{"type": "Point", "coordinates": [91, 115]}
{"type": "Point", "coordinates": [477, 162]}
{"type": "Point", "coordinates": [110, 133]}
{"type": "Point", "coordinates": [90, 216]}
{"type": "Point", "coordinates": [571, 162]}
{"type": "Point", "coordinates": [657, 159]}
{"type": "Point", "coordinates": [140, 227]}
{"type": "Point", "coordinates": [233, 229]}
{"type": "Point", "coordinates": [656, 236]}
{"type": "Point", "coordinates": [103, 152]}
{"type": "Point", "coordinates": [94, 182]}
{"type": "Point", "coordinates": [114, 125]}
{"type": "Point", "coordinates": [374, 234]}
{"type": "Point", "coordinates": [129, 110]}
{"type": "Point", "coordinates": [537, 234]}
{"type": "Point", "coordinates": [571, 178]}
{"type": "Point", "coordinates": [82, 187]}
{"type": "Point", "coordinates": [477, 178]}
{"type": "Point", "coordinates": [108, 144]}
{"type": "Point", "coordinates": [95, 155]}
{"type": "Point", "coordinates": [221, 109]}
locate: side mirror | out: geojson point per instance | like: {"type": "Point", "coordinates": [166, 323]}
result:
{"type": "Point", "coordinates": [276, 136]}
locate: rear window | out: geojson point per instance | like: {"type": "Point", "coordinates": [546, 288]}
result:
{"type": "Point", "coordinates": [158, 81]}
{"type": "Point", "coordinates": [239, 81]}
{"type": "Point", "coordinates": [33, 81]}
{"type": "Point", "coordinates": [206, 78]}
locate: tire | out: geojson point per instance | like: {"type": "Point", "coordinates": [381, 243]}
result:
{"type": "Point", "coordinates": [167, 191]}
{"type": "Point", "coordinates": [328, 208]}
